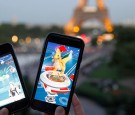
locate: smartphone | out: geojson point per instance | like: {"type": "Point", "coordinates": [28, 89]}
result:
{"type": "Point", "coordinates": [13, 93]}
{"type": "Point", "coordinates": [57, 73]}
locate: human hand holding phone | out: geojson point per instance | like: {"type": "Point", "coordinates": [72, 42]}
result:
{"type": "Point", "coordinates": [76, 105]}
{"type": "Point", "coordinates": [57, 74]}
{"type": "Point", "coordinates": [13, 95]}
{"type": "Point", "coordinates": [59, 111]}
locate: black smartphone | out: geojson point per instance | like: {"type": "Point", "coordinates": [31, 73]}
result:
{"type": "Point", "coordinates": [13, 93]}
{"type": "Point", "coordinates": [57, 74]}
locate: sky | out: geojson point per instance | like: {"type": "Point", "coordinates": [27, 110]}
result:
{"type": "Point", "coordinates": [58, 11]}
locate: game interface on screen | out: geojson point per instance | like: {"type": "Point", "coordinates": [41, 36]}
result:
{"type": "Point", "coordinates": [57, 74]}
{"type": "Point", "coordinates": [10, 86]}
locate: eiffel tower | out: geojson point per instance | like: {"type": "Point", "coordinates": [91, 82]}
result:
{"type": "Point", "coordinates": [83, 12]}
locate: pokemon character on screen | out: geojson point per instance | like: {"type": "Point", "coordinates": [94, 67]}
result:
{"type": "Point", "coordinates": [57, 74]}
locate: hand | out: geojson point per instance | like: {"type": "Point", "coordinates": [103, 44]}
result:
{"type": "Point", "coordinates": [4, 111]}
{"type": "Point", "coordinates": [76, 105]}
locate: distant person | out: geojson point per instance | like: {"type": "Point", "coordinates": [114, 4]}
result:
{"type": "Point", "coordinates": [59, 110]}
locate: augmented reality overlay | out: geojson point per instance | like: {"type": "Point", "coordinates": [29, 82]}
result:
{"type": "Point", "coordinates": [57, 74]}
{"type": "Point", "coordinates": [10, 86]}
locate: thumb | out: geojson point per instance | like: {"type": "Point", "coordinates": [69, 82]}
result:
{"type": "Point", "coordinates": [59, 111]}
{"type": "Point", "coordinates": [4, 111]}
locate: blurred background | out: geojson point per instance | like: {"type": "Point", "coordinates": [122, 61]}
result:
{"type": "Point", "coordinates": [106, 83]}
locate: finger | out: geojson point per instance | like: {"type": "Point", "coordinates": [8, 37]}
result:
{"type": "Point", "coordinates": [59, 111]}
{"type": "Point", "coordinates": [77, 106]}
{"type": "Point", "coordinates": [4, 111]}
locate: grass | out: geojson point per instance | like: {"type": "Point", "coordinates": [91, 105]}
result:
{"type": "Point", "coordinates": [105, 72]}
{"type": "Point", "coordinates": [112, 98]}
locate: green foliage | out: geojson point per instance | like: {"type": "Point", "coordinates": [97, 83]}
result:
{"type": "Point", "coordinates": [95, 94]}
{"type": "Point", "coordinates": [124, 54]}
{"type": "Point", "coordinates": [105, 71]}
{"type": "Point", "coordinates": [55, 28]}
{"type": "Point", "coordinates": [125, 34]}
{"type": "Point", "coordinates": [124, 96]}
{"type": "Point", "coordinates": [22, 31]}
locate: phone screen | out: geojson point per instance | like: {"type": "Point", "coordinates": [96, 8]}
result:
{"type": "Point", "coordinates": [10, 85]}
{"type": "Point", "coordinates": [57, 74]}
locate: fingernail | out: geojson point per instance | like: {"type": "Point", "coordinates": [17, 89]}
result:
{"type": "Point", "coordinates": [4, 111]}
{"type": "Point", "coordinates": [59, 110]}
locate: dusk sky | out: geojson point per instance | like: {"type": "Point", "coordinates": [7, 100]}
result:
{"type": "Point", "coordinates": [58, 11]}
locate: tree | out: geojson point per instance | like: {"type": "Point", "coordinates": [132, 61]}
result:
{"type": "Point", "coordinates": [124, 55]}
